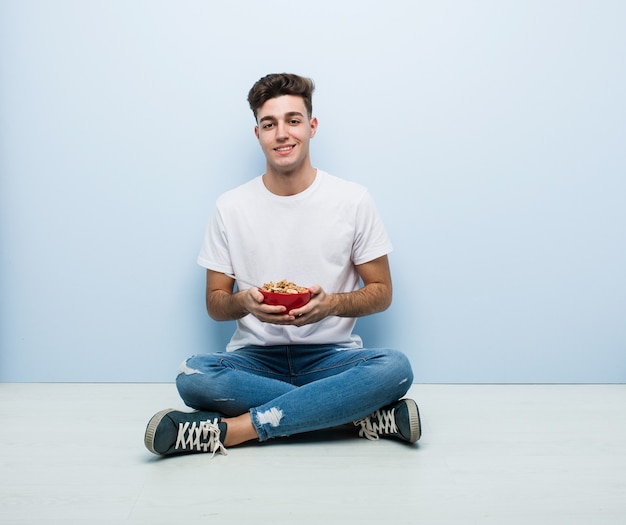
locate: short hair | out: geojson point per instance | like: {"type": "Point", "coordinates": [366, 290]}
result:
{"type": "Point", "coordinates": [278, 84]}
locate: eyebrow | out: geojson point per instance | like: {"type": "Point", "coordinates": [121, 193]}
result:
{"type": "Point", "coordinates": [287, 115]}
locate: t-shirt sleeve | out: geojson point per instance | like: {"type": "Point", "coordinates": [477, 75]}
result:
{"type": "Point", "coordinates": [371, 239]}
{"type": "Point", "coordinates": [214, 254]}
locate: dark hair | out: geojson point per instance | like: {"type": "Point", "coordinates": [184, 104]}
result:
{"type": "Point", "coordinates": [277, 84]}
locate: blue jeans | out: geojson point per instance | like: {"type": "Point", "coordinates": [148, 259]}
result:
{"type": "Point", "coordinates": [293, 389]}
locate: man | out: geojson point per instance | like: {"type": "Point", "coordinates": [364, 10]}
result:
{"type": "Point", "coordinates": [287, 372]}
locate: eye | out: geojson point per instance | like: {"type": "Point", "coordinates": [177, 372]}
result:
{"type": "Point", "coordinates": [267, 125]}
{"type": "Point", "coordinates": [294, 122]}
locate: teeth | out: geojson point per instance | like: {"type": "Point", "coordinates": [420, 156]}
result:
{"type": "Point", "coordinates": [286, 148]}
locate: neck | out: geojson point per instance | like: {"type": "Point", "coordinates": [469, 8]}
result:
{"type": "Point", "coordinates": [289, 182]}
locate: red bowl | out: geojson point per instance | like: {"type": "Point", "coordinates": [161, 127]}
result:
{"type": "Point", "coordinates": [290, 300]}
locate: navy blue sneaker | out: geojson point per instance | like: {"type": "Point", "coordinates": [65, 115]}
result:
{"type": "Point", "coordinates": [400, 420]}
{"type": "Point", "coordinates": [173, 432]}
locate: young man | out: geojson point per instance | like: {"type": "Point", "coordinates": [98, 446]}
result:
{"type": "Point", "coordinates": [287, 372]}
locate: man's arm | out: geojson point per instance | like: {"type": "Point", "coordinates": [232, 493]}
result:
{"type": "Point", "coordinates": [221, 303]}
{"type": "Point", "coordinates": [224, 305]}
{"type": "Point", "coordinates": [375, 295]}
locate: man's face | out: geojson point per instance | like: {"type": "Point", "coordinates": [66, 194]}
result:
{"type": "Point", "coordinates": [284, 130]}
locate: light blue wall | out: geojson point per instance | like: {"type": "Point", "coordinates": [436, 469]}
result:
{"type": "Point", "coordinates": [492, 135]}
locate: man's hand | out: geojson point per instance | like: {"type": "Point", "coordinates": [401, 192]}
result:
{"type": "Point", "coordinates": [266, 313]}
{"type": "Point", "coordinates": [318, 308]}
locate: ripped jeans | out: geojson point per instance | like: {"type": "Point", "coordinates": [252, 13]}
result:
{"type": "Point", "coordinates": [294, 389]}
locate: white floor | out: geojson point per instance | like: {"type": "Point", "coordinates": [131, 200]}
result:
{"type": "Point", "coordinates": [490, 454]}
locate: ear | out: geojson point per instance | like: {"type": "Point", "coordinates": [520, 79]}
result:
{"type": "Point", "coordinates": [256, 131]}
{"type": "Point", "coordinates": [313, 123]}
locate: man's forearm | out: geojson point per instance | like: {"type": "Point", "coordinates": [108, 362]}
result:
{"type": "Point", "coordinates": [224, 306]}
{"type": "Point", "coordinates": [370, 299]}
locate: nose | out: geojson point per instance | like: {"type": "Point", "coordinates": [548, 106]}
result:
{"type": "Point", "coordinates": [282, 130]}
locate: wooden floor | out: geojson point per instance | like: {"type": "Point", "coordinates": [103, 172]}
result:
{"type": "Point", "coordinates": [490, 454]}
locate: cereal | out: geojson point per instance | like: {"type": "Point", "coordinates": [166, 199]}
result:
{"type": "Point", "coordinates": [284, 286]}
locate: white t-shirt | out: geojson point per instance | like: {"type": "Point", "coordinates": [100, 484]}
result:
{"type": "Point", "coordinates": [314, 237]}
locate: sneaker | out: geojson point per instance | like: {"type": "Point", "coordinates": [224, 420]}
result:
{"type": "Point", "coordinates": [400, 420]}
{"type": "Point", "coordinates": [174, 432]}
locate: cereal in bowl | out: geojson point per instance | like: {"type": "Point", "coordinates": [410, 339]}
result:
{"type": "Point", "coordinates": [284, 286]}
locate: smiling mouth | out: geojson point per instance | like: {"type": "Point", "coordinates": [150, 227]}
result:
{"type": "Point", "coordinates": [284, 149]}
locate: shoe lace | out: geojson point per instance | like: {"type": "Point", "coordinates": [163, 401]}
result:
{"type": "Point", "coordinates": [203, 436]}
{"type": "Point", "coordinates": [379, 423]}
